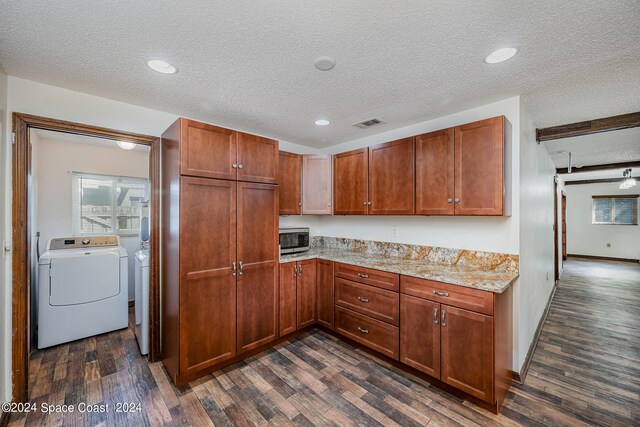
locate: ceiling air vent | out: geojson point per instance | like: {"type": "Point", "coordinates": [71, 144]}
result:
{"type": "Point", "coordinates": [368, 123]}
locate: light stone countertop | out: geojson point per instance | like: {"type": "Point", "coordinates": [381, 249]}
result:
{"type": "Point", "coordinates": [492, 281]}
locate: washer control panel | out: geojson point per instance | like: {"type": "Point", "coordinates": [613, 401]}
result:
{"type": "Point", "coordinates": [83, 242]}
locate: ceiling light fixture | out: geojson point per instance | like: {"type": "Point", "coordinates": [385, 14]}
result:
{"type": "Point", "coordinates": [126, 145]}
{"type": "Point", "coordinates": [501, 55]}
{"type": "Point", "coordinates": [324, 63]}
{"type": "Point", "coordinates": [322, 122]}
{"type": "Point", "coordinates": [162, 66]}
{"type": "Point", "coordinates": [628, 180]}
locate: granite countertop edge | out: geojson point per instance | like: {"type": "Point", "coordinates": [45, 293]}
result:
{"type": "Point", "coordinates": [491, 281]}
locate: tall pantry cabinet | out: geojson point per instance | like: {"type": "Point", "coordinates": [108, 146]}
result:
{"type": "Point", "coordinates": [219, 279]}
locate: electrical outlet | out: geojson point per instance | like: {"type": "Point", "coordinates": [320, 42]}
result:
{"type": "Point", "coordinates": [608, 245]}
{"type": "Point", "coordinates": [394, 231]}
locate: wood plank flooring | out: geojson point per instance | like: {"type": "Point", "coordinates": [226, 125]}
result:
{"type": "Point", "coordinates": [585, 371]}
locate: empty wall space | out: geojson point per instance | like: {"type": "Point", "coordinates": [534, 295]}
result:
{"type": "Point", "coordinates": [534, 286]}
{"type": "Point", "coordinates": [52, 164]}
{"type": "Point", "coordinates": [5, 230]}
{"type": "Point", "coordinates": [585, 238]}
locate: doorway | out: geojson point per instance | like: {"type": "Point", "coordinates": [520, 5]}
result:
{"type": "Point", "coordinates": [22, 220]}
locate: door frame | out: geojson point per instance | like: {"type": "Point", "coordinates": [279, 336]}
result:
{"type": "Point", "coordinates": [556, 263]}
{"type": "Point", "coordinates": [21, 233]}
{"type": "Point", "coordinates": [563, 232]}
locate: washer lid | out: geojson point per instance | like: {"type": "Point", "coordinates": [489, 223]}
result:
{"type": "Point", "coordinates": [88, 277]}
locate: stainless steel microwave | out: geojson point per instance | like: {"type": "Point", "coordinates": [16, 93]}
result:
{"type": "Point", "coordinates": [294, 240]}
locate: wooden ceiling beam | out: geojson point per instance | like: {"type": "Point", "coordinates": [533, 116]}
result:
{"type": "Point", "coordinates": [588, 127]}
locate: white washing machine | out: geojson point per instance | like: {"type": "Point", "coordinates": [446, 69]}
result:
{"type": "Point", "coordinates": [83, 289]}
{"type": "Point", "coordinates": [142, 299]}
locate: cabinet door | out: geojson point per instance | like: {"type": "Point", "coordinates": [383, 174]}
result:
{"type": "Point", "coordinates": [391, 178]}
{"type": "Point", "coordinates": [317, 188]}
{"type": "Point", "coordinates": [350, 175]}
{"type": "Point", "coordinates": [258, 273]}
{"type": "Point", "coordinates": [289, 183]}
{"type": "Point", "coordinates": [324, 293]}
{"type": "Point", "coordinates": [479, 167]}
{"type": "Point", "coordinates": [257, 159]}
{"type": "Point", "coordinates": [207, 215]}
{"type": "Point", "coordinates": [467, 352]}
{"type": "Point", "coordinates": [287, 298]}
{"type": "Point", "coordinates": [306, 295]}
{"type": "Point", "coordinates": [434, 173]}
{"type": "Point", "coordinates": [207, 151]}
{"type": "Point", "coordinates": [420, 334]}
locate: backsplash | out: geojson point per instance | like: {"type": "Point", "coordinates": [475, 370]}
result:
{"type": "Point", "coordinates": [485, 261]}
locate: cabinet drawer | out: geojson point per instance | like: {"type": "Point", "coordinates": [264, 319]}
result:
{"type": "Point", "coordinates": [374, 302]}
{"type": "Point", "coordinates": [368, 276]}
{"type": "Point", "coordinates": [457, 296]}
{"type": "Point", "coordinates": [375, 334]}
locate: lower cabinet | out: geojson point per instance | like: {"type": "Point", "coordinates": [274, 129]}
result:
{"type": "Point", "coordinates": [420, 334]}
{"type": "Point", "coordinates": [324, 293]}
{"type": "Point", "coordinates": [377, 335]}
{"type": "Point", "coordinates": [297, 295]}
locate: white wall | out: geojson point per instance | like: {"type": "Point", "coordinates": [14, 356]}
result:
{"type": "Point", "coordinates": [534, 286]}
{"type": "Point", "coordinates": [584, 238]}
{"type": "Point", "coordinates": [5, 261]}
{"type": "Point", "coordinates": [55, 161]}
{"type": "Point", "coordinates": [493, 234]}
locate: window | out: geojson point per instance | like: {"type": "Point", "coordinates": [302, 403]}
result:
{"type": "Point", "coordinates": [103, 204]}
{"type": "Point", "coordinates": [617, 210]}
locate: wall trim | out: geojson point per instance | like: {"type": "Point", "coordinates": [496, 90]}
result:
{"type": "Point", "coordinates": [519, 377]}
{"type": "Point", "coordinates": [604, 258]}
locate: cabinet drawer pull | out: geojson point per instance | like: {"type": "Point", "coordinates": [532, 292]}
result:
{"type": "Point", "coordinates": [364, 276]}
{"type": "Point", "coordinates": [442, 320]}
{"type": "Point", "coordinates": [364, 331]}
{"type": "Point", "coordinates": [435, 315]}
{"type": "Point", "coordinates": [442, 294]}
{"type": "Point", "coordinates": [363, 299]}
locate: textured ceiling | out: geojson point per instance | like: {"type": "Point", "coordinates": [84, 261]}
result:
{"type": "Point", "coordinates": [597, 149]}
{"type": "Point", "coordinates": [249, 64]}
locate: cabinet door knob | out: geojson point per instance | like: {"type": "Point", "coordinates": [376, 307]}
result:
{"type": "Point", "coordinates": [364, 203]}
{"type": "Point", "coordinates": [442, 320]}
{"type": "Point", "coordinates": [457, 200]}
{"type": "Point", "coordinates": [435, 315]}
{"type": "Point", "coordinates": [364, 331]}
{"type": "Point", "coordinates": [299, 204]}
{"type": "Point", "coordinates": [449, 200]}
{"type": "Point", "coordinates": [369, 203]}
{"type": "Point", "coordinates": [235, 166]}
{"type": "Point", "coordinates": [240, 166]}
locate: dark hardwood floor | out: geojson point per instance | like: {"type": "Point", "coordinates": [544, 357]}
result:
{"type": "Point", "coordinates": [585, 371]}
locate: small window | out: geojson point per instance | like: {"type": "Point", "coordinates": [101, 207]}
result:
{"type": "Point", "coordinates": [615, 210]}
{"type": "Point", "coordinates": [103, 204]}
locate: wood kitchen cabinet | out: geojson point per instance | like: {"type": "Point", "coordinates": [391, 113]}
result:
{"type": "Point", "coordinates": [434, 173]}
{"type": "Point", "coordinates": [350, 180]}
{"type": "Point", "coordinates": [219, 282]}
{"type": "Point", "coordinates": [297, 295]}
{"type": "Point", "coordinates": [378, 180]}
{"type": "Point", "coordinates": [461, 170]}
{"type": "Point", "coordinates": [420, 334]}
{"type": "Point", "coordinates": [317, 185]}
{"type": "Point", "coordinates": [480, 182]}
{"type": "Point", "coordinates": [289, 181]}
{"type": "Point", "coordinates": [391, 178]}
{"type": "Point", "coordinates": [213, 152]}
{"type": "Point", "coordinates": [324, 293]}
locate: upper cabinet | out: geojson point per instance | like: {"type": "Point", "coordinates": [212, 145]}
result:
{"type": "Point", "coordinates": [479, 167]}
{"type": "Point", "coordinates": [289, 182]}
{"type": "Point", "coordinates": [317, 185]}
{"type": "Point", "coordinates": [461, 170]}
{"type": "Point", "coordinates": [434, 173]}
{"type": "Point", "coordinates": [350, 176]}
{"type": "Point", "coordinates": [209, 151]}
{"type": "Point", "coordinates": [391, 178]}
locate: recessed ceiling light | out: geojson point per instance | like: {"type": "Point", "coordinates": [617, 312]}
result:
{"type": "Point", "coordinates": [324, 63]}
{"type": "Point", "coordinates": [161, 66]}
{"type": "Point", "coordinates": [126, 145]}
{"type": "Point", "coordinates": [501, 55]}
{"type": "Point", "coordinates": [322, 122]}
